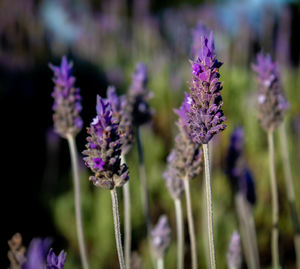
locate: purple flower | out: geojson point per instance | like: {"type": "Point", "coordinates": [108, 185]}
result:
{"type": "Point", "coordinates": [161, 237]}
{"type": "Point", "coordinates": [36, 253]}
{"type": "Point", "coordinates": [56, 262]}
{"type": "Point", "coordinates": [138, 106]}
{"type": "Point", "coordinates": [234, 252]}
{"type": "Point", "coordinates": [103, 149]}
{"type": "Point", "coordinates": [205, 118]}
{"type": "Point", "coordinates": [271, 101]}
{"type": "Point", "coordinates": [174, 181]}
{"type": "Point", "coordinates": [237, 171]}
{"type": "Point", "coordinates": [120, 112]}
{"type": "Point", "coordinates": [67, 107]}
{"type": "Point", "coordinates": [197, 34]}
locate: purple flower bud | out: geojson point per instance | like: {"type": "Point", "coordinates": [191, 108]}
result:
{"type": "Point", "coordinates": [271, 101]}
{"type": "Point", "coordinates": [120, 112]}
{"type": "Point", "coordinates": [36, 253]}
{"type": "Point", "coordinates": [161, 237]}
{"type": "Point", "coordinates": [67, 108]}
{"type": "Point", "coordinates": [237, 171]}
{"type": "Point", "coordinates": [138, 106]}
{"type": "Point", "coordinates": [234, 252]}
{"type": "Point", "coordinates": [174, 181]}
{"type": "Point", "coordinates": [103, 149]}
{"type": "Point", "coordinates": [197, 34]}
{"type": "Point", "coordinates": [56, 262]}
{"type": "Point", "coordinates": [205, 118]}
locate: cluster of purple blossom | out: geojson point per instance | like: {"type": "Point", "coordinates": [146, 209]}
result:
{"type": "Point", "coordinates": [200, 117]}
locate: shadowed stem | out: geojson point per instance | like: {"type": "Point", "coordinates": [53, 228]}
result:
{"type": "Point", "coordinates": [77, 199]}
{"type": "Point", "coordinates": [290, 189]}
{"type": "Point", "coordinates": [209, 208]}
{"type": "Point", "coordinates": [191, 223]}
{"type": "Point", "coordinates": [160, 263]}
{"type": "Point", "coordinates": [275, 209]}
{"type": "Point", "coordinates": [127, 221]}
{"type": "Point", "coordinates": [180, 234]}
{"type": "Point", "coordinates": [143, 178]}
{"type": "Point", "coordinates": [114, 199]}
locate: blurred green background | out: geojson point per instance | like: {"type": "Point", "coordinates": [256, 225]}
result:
{"type": "Point", "coordinates": [105, 40]}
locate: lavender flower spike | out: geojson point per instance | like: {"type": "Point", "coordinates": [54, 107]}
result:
{"type": "Point", "coordinates": [67, 107]}
{"type": "Point", "coordinates": [271, 101]}
{"type": "Point", "coordinates": [205, 118]}
{"type": "Point", "coordinates": [36, 253]}
{"type": "Point", "coordinates": [138, 96]}
{"type": "Point", "coordinates": [56, 262]}
{"type": "Point", "coordinates": [234, 255]}
{"type": "Point", "coordinates": [161, 237]}
{"type": "Point", "coordinates": [119, 105]}
{"type": "Point", "coordinates": [104, 149]}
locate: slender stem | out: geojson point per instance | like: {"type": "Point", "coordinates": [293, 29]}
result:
{"type": "Point", "coordinates": [180, 234]}
{"type": "Point", "coordinates": [246, 234]}
{"type": "Point", "coordinates": [114, 199]}
{"type": "Point", "coordinates": [143, 178]}
{"type": "Point", "coordinates": [191, 223]}
{"type": "Point", "coordinates": [127, 222]}
{"type": "Point", "coordinates": [209, 208]}
{"type": "Point", "coordinates": [275, 209]}
{"type": "Point", "coordinates": [290, 189]}
{"type": "Point", "coordinates": [253, 235]}
{"type": "Point", "coordinates": [160, 263]}
{"type": "Point", "coordinates": [77, 199]}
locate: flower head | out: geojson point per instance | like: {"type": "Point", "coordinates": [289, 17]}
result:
{"type": "Point", "coordinates": [205, 118]}
{"type": "Point", "coordinates": [138, 97]}
{"type": "Point", "coordinates": [67, 107]}
{"type": "Point", "coordinates": [103, 149]}
{"type": "Point", "coordinates": [161, 237]}
{"type": "Point", "coordinates": [56, 262]}
{"type": "Point", "coordinates": [119, 105]}
{"type": "Point", "coordinates": [234, 252]}
{"type": "Point", "coordinates": [36, 253]}
{"type": "Point", "coordinates": [237, 171]}
{"type": "Point", "coordinates": [174, 181]}
{"type": "Point", "coordinates": [271, 101]}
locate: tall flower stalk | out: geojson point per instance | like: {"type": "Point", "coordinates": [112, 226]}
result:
{"type": "Point", "coordinates": [103, 157]}
{"type": "Point", "coordinates": [160, 240]}
{"type": "Point", "coordinates": [271, 108]}
{"type": "Point", "coordinates": [68, 123]}
{"type": "Point", "coordinates": [119, 105]}
{"type": "Point", "coordinates": [290, 190]}
{"type": "Point", "coordinates": [205, 117]}
{"type": "Point", "coordinates": [243, 186]}
{"type": "Point", "coordinates": [184, 163]}
{"type": "Point", "coordinates": [175, 186]}
{"type": "Point", "coordinates": [140, 112]}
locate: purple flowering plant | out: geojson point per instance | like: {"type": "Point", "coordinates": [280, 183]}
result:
{"type": "Point", "coordinates": [103, 150]}
{"type": "Point", "coordinates": [66, 106]}
{"type": "Point", "coordinates": [205, 118]}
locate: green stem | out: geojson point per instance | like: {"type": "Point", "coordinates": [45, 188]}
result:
{"type": "Point", "coordinates": [180, 234]}
{"type": "Point", "coordinates": [191, 223]}
{"type": "Point", "coordinates": [114, 199]}
{"type": "Point", "coordinates": [246, 234]}
{"type": "Point", "coordinates": [160, 263]}
{"type": "Point", "coordinates": [143, 178]}
{"type": "Point", "coordinates": [290, 189]}
{"type": "Point", "coordinates": [275, 209]}
{"type": "Point", "coordinates": [127, 221]}
{"type": "Point", "coordinates": [209, 208]}
{"type": "Point", "coordinates": [77, 199]}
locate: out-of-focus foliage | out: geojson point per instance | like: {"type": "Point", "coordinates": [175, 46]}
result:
{"type": "Point", "coordinates": [113, 37]}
